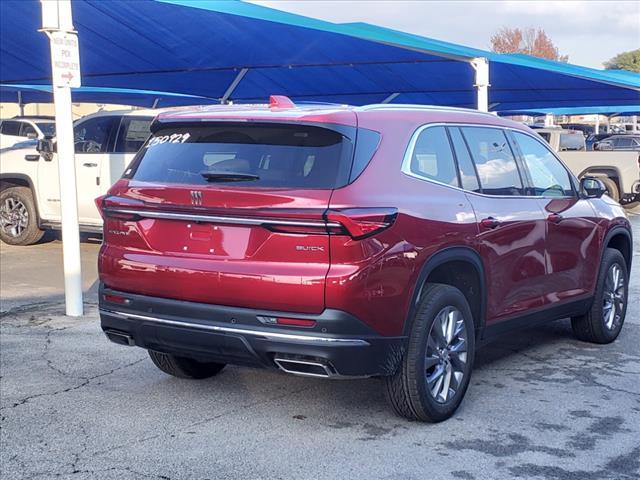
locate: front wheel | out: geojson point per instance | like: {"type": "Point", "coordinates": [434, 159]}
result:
{"type": "Point", "coordinates": [434, 374]}
{"type": "Point", "coordinates": [18, 217]}
{"type": "Point", "coordinates": [603, 322]}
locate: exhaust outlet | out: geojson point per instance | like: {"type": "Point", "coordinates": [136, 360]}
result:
{"type": "Point", "coordinates": [120, 338]}
{"type": "Point", "coordinates": [304, 367]}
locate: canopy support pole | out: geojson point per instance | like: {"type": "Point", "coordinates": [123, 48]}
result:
{"type": "Point", "coordinates": [597, 130]}
{"type": "Point", "coordinates": [20, 104]}
{"type": "Point", "coordinates": [233, 85]}
{"type": "Point", "coordinates": [634, 120]}
{"type": "Point", "coordinates": [56, 17]}
{"type": "Point", "coordinates": [390, 98]}
{"type": "Point", "coordinates": [548, 120]}
{"type": "Point", "coordinates": [481, 66]}
{"type": "Point", "coordinates": [156, 101]}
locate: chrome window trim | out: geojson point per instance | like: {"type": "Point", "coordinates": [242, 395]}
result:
{"type": "Point", "coordinates": [406, 161]}
{"type": "Point", "coordinates": [220, 218]}
{"type": "Point", "coordinates": [241, 331]}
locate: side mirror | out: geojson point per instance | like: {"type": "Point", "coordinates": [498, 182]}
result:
{"type": "Point", "coordinates": [45, 148]}
{"type": "Point", "coordinates": [592, 187]}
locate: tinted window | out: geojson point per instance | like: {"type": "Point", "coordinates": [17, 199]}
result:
{"type": "Point", "coordinates": [549, 178]}
{"type": "Point", "coordinates": [494, 160]}
{"type": "Point", "coordinates": [92, 136]}
{"type": "Point", "coordinates": [10, 127]}
{"type": "Point", "coordinates": [623, 142]}
{"type": "Point", "coordinates": [281, 156]}
{"type": "Point", "coordinates": [27, 129]}
{"type": "Point", "coordinates": [132, 134]}
{"type": "Point", "coordinates": [545, 135]}
{"type": "Point", "coordinates": [571, 141]}
{"type": "Point", "coordinates": [468, 175]}
{"type": "Point", "coordinates": [48, 128]}
{"type": "Point", "coordinates": [432, 157]}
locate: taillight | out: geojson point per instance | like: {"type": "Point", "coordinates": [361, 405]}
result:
{"type": "Point", "coordinates": [288, 321]}
{"type": "Point", "coordinates": [363, 222]}
{"type": "Point", "coordinates": [115, 208]}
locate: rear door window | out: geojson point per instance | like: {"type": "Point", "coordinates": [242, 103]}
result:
{"type": "Point", "coordinates": [571, 141]}
{"type": "Point", "coordinates": [274, 155]}
{"type": "Point", "coordinates": [10, 127]}
{"type": "Point", "coordinates": [496, 165]}
{"type": "Point", "coordinates": [432, 157]}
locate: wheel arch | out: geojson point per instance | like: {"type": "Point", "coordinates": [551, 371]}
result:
{"type": "Point", "coordinates": [452, 266]}
{"type": "Point", "coordinates": [619, 238]}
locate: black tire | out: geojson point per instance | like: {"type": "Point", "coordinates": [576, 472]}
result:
{"type": "Point", "coordinates": [593, 326]}
{"type": "Point", "coordinates": [407, 389]}
{"type": "Point", "coordinates": [612, 188]}
{"type": "Point", "coordinates": [182, 367]}
{"type": "Point", "coordinates": [27, 233]}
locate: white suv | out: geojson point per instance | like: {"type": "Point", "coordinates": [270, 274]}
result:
{"type": "Point", "coordinates": [105, 143]}
{"type": "Point", "coordinates": [20, 129]}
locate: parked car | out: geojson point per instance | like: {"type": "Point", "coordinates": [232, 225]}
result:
{"type": "Point", "coordinates": [19, 129]}
{"type": "Point", "coordinates": [386, 240]}
{"type": "Point", "coordinates": [595, 138]}
{"type": "Point", "coordinates": [562, 140]}
{"type": "Point", "coordinates": [105, 143]}
{"type": "Point", "coordinates": [619, 142]}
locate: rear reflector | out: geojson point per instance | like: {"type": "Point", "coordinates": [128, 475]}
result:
{"type": "Point", "coordinates": [116, 299]}
{"type": "Point", "coordinates": [363, 222]}
{"type": "Point", "coordinates": [291, 322]}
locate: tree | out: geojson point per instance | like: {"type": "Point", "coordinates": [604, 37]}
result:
{"type": "Point", "coordinates": [625, 61]}
{"type": "Point", "coordinates": [528, 41]}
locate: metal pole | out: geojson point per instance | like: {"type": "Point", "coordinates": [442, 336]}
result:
{"type": "Point", "coordinates": [634, 119]}
{"type": "Point", "coordinates": [597, 130]}
{"type": "Point", "coordinates": [56, 17]}
{"type": "Point", "coordinates": [20, 104]}
{"type": "Point", "coordinates": [481, 66]}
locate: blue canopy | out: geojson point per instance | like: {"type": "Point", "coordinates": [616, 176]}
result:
{"type": "Point", "coordinates": [609, 111]}
{"type": "Point", "coordinates": [244, 52]}
{"type": "Point", "coordinates": [23, 93]}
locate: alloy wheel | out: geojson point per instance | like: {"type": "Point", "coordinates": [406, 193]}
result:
{"type": "Point", "coordinates": [446, 354]}
{"type": "Point", "coordinates": [14, 217]}
{"type": "Point", "coordinates": [613, 297]}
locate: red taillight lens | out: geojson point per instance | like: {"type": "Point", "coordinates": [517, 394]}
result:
{"type": "Point", "coordinates": [114, 207]}
{"type": "Point", "coordinates": [295, 322]}
{"type": "Point", "coordinates": [363, 222]}
{"type": "Point", "coordinates": [116, 299]}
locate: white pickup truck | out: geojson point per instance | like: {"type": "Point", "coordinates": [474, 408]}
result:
{"type": "Point", "coordinates": [105, 143]}
{"type": "Point", "coordinates": [618, 170]}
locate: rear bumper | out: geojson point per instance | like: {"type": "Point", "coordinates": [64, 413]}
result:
{"type": "Point", "coordinates": [339, 345]}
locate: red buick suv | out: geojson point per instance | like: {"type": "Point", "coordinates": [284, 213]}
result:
{"type": "Point", "coordinates": [338, 241]}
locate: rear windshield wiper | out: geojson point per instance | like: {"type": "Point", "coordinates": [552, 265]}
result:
{"type": "Point", "coordinates": [223, 176]}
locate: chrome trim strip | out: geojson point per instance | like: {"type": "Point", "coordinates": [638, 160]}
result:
{"type": "Point", "coordinates": [221, 218]}
{"type": "Point", "coordinates": [241, 331]}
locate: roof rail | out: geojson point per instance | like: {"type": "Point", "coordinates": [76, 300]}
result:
{"type": "Point", "coordinates": [408, 106]}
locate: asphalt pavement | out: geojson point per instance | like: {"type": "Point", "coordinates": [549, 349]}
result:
{"type": "Point", "coordinates": [541, 405]}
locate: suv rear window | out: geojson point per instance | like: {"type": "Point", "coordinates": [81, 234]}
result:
{"type": "Point", "coordinates": [280, 155]}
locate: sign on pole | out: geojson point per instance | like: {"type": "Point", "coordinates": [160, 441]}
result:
{"type": "Point", "coordinates": [65, 69]}
{"type": "Point", "coordinates": [65, 59]}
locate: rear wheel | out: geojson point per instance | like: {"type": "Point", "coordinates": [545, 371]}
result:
{"type": "Point", "coordinates": [435, 371]}
{"type": "Point", "coordinates": [183, 367]}
{"type": "Point", "coordinates": [603, 322]}
{"type": "Point", "coordinates": [18, 217]}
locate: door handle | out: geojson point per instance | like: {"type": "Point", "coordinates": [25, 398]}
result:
{"type": "Point", "coordinates": [89, 164]}
{"type": "Point", "coordinates": [490, 222]}
{"type": "Point", "coordinates": [554, 218]}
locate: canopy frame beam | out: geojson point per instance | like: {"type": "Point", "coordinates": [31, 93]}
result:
{"type": "Point", "coordinates": [233, 85]}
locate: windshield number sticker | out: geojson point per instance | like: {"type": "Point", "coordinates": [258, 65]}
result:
{"type": "Point", "coordinates": [174, 138]}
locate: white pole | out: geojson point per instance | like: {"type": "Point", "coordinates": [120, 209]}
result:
{"type": "Point", "coordinates": [548, 120]}
{"type": "Point", "coordinates": [634, 119]}
{"type": "Point", "coordinates": [481, 66]}
{"type": "Point", "coordinates": [597, 130]}
{"type": "Point", "coordinates": [56, 17]}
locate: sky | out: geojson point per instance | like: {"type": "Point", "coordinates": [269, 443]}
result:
{"type": "Point", "coordinates": [590, 32]}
